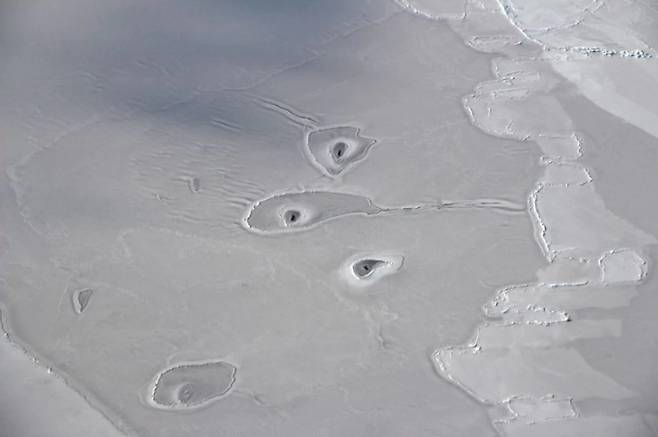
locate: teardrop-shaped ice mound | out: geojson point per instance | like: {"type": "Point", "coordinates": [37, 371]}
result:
{"type": "Point", "coordinates": [290, 212]}
{"type": "Point", "coordinates": [192, 385]}
{"type": "Point", "coordinates": [366, 269]}
{"type": "Point", "coordinates": [333, 150]}
{"type": "Point", "coordinates": [81, 299]}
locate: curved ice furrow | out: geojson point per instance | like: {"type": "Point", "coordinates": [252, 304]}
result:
{"type": "Point", "coordinates": [501, 205]}
{"type": "Point", "coordinates": [286, 111]}
{"type": "Point", "coordinates": [521, 356]}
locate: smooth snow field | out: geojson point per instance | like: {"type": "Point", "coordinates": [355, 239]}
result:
{"type": "Point", "coordinates": [328, 218]}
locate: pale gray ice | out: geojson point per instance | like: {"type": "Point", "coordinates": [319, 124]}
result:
{"type": "Point", "coordinates": [326, 218]}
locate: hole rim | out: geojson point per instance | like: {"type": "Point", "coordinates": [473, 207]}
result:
{"type": "Point", "coordinates": [340, 151]}
{"type": "Point", "coordinates": [292, 217]}
{"type": "Point", "coordinates": [370, 265]}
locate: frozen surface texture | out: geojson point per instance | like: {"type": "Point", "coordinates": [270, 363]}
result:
{"type": "Point", "coordinates": [258, 218]}
{"type": "Point", "coordinates": [36, 402]}
{"type": "Point", "coordinates": [524, 348]}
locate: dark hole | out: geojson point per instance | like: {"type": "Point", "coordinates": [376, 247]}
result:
{"type": "Point", "coordinates": [365, 267]}
{"type": "Point", "coordinates": [339, 150]}
{"type": "Point", "coordinates": [291, 216]}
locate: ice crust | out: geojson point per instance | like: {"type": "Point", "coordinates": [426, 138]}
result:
{"type": "Point", "coordinates": [590, 250]}
{"type": "Point", "coordinates": [152, 252]}
{"type": "Point", "coordinates": [135, 154]}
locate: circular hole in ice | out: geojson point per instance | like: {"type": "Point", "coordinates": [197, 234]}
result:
{"type": "Point", "coordinates": [292, 216]}
{"type": "Point", "coordinates": [365, 267]}
{"type": "Point", "coordinates": [339, 150]}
